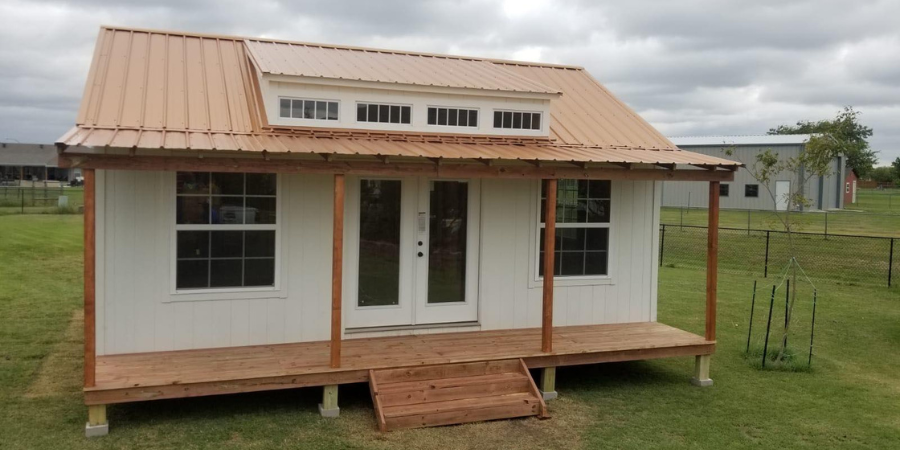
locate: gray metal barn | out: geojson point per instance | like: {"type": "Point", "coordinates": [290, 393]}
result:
{"type": "Point", "coordinates": [745, 192]}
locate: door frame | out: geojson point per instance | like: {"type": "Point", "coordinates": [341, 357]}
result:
{"type": "Point", "coordinates": [412, 309]}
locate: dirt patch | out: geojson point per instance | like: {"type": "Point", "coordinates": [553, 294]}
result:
{"type": "Point", "coordinates": [569, 418]}
{"type": "Point", "coordinates": [60, 372]}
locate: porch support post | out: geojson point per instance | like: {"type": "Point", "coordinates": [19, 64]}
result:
{"type": "Point", "coordinates": [337, 264]}
{"type": "Point", "coordinates": [329, 406]}
{"type": "Point", "coordinates": [702, 362]}
{"type": "Point", "coordinates": [96, 425]}
{"type": "Point", "coordinates": [549, 249]}
{"type": "Point", "coordinates": [548, 383]}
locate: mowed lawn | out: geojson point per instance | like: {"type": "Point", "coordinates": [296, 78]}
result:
{"type": "Point", "coordinates": [849, 399]}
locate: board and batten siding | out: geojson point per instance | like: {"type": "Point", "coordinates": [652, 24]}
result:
{"type": "Point", "coordinates": [137, 310]}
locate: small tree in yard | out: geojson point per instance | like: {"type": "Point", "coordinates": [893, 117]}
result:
{"type": "Point", "coordinates": [815, 160]}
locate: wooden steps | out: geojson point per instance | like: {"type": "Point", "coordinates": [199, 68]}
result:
{"type": "Point", "coordinates": [450, 394]}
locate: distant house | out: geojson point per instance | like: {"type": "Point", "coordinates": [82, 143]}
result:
{"type": "Point", "coordinates": [745, 192]}
{"type": "Point", "coordinates": [850, 185]}
{"type": "Point", "coordinates": [26, 164]}
{"type": "Point", "coordinates": [266, 215]}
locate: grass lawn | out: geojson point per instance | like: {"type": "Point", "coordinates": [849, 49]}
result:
{"type": "Point", "coordinates": [877, 201]}
{"type": "Point", "coordinates": [850, 398]}
{"type": "Point", "coordinates": [38, 200]}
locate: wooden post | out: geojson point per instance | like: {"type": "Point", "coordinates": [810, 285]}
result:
{"type": "Point", "coordinates": [337, 264]}
{"type": "Point", "coordinates": [548, 383]}
{"type": "Point", "coordinates": [549, 249]}
{"type": "Point", "coordinates": [712, 260]}
{"type": "Point", "coordinates": [329, 406]}
{"type": "Point", "coordinates": [90, 349]}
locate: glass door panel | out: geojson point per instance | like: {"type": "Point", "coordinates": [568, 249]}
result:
{"type": "Point", "coordinates": [447, 232]}
{"type": "Point", "coordinates": [379, 243]}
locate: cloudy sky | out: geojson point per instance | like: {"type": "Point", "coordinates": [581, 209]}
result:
{"type": "Point", "coordinates": [690, 67]}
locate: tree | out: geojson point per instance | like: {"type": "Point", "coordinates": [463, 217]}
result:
{"type": "Point", "coordinates": [883, 175]}
{"type": "Point", "coordinates": [815, 160]}
{"type": "Point", "coordinates": [850, 137]}
{"type": "Point", "coordinates": [896, 165]}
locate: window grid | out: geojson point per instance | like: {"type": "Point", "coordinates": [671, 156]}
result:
{"type": "Point", "coordinates": [571, 195]}
{"type": "Point", "coordinates": [724, 189]}
{"type": "Point", "coordinates": [751, 190]}
{"type": "Point", "coordinates": [452, 117]}
{"type": "Point", "coordinates": [311, 109]}
{"type": "Point", "coordinates": [383, 113]}
{"type": "Point", "coordinates": [517, 120]}
{"type": "Point", "coordinates": [212, 228]}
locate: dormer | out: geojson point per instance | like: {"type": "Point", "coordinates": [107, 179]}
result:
{"type": "Point", "coordinates": [312, 86]}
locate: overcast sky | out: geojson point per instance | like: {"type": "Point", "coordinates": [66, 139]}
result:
{"type": "Point", "coordinates": [690, 67]}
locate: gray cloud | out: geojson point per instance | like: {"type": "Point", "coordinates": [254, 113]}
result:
{"type": "Point", "coordinates": [689, 67]}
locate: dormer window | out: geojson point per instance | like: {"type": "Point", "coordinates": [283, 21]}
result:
{"type": "Point", "coordinates": [453, 117]}
{"type": "Point", "coordinates": [296, 108]}
{"type": "Point", "coordinates": [383, 113]}
{"type": "Point", "coordinates": [517, 120]}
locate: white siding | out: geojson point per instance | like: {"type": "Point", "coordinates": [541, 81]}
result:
{"type": "Point", "coordinates": [137, 311]}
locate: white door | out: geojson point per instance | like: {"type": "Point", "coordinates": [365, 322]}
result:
{"type": "Point", "coordinates": [854, 192]}
{"type": "Point", "coordinates": [782, 193]}
{"type": "Point", "coordinates": [411, 251]}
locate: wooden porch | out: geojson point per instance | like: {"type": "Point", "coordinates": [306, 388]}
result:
{"type": "Point", "coordinates": [192, 373]}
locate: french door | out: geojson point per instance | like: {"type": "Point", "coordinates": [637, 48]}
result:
{"type": "Point", "coordinates": [412, 251]}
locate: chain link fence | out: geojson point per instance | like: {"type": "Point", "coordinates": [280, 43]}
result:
{"type": "Point", "coordinates": [41, 200]}
{"type": "Point", "coordinates": [848, 259]}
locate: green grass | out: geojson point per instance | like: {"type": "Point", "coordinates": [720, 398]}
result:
{"type": "Point", "coordinates": [886, 201]}
{"type": "Point", "coordinates": [850, 398]}
{"type": "Point", "coordinates": [39, 200]}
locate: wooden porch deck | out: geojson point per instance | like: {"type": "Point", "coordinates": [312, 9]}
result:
{"type": "Point", "coordinates": [191, 373]}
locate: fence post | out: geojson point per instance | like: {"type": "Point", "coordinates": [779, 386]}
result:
{"type": "Point", "coordinates": [826, 224]}
{"type": "Point", "coordinates": [748, 222]}
{"type": "Point", "coordinates": [681, 221]}
{"type": "Point", "coordinates": [891, 262]}
{"type": "Point", "coordinates": [662, 245]}
{"type": "Point", "coordinates": [766, 269]}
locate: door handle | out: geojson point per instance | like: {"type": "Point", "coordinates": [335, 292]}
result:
{"type": "Point", "coordinates": [421, 254]}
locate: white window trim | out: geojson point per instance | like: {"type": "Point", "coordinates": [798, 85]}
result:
{"type": "Point", "coordinates": [303, 119]}
{"type": "Point", "coordinates": [466, 127]}
{"type": "Point", "coordinates": [279, 287]}
{"type": "Point", "coordinates": [537, 278]}
{"type": "Point", "coordinates": [541, 113]}
{"type": "Point", "coordinates": [376, 102]}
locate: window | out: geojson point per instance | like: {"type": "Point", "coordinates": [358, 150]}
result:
{"type": "Point", "coordinates": [381, 113]}
{"type": "Point", "coordinates": [723, 190]}
{"type": "Point", "coordinates": [582, 228]}
{"type": "Point", "coordinates": [751, 190]}
{"type": "Point", "coordinates": [293, 108]}
{"type": "Point", "coordinates": [847, 188]}
{"type": "Point", "coordinates": [226, 228]}
{"type": "Point", "coordinates": [517, 120]}
{"type": "Point", "coordinates": [453, 117]}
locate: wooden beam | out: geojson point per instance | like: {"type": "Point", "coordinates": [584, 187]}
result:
{"type": "Point", "coordinates": [373, 168]}
{"type": "Point", "coordinates": [90, 322]}
{"type": "Point", "coordinates": [337, 265]}
{"type": "Point", "coordinates": [549, 249]}
{"type": "Point", "coordinates": [712, 260]}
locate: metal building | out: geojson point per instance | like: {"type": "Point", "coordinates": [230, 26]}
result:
{"type": "Point", "coordinates": [745, 192]}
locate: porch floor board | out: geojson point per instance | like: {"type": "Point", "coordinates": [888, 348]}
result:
{"type": "Point", "coordinates": [189, 373]}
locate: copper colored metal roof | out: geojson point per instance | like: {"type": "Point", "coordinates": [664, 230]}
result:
{"type": "Point", "coordinates": [308, 60]}
{"type": "Point", "coordinates": [161, 90]}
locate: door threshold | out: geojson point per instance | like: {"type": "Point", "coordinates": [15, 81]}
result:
{"type": "Point", "coordinates": [411, 327]}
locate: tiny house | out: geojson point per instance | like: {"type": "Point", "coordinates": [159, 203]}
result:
{"type": "Point", "coordinates": [264, 215]}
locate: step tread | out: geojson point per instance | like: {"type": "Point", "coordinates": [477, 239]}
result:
{"type": "Point", "coordinates": [454, 393]}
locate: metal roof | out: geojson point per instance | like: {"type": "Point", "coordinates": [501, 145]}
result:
{"type": "Point", "coordinates": [37, 155]}
{"type": "Point", "coordinates": [763, 139]}
{"type": "Point", "coordinates": [383, 66]}
{"type": "Point", "coordinates": [165, 90]}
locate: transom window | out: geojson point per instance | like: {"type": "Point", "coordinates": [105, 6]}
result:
{"type": "Point", "coordinates": [383, 113]}
{"type": "Point", "coordinates": [751, 190]}
{"type": "Point", "coordinates": [295, 108]}
{"type": "Point", "coordinates": [226, 225]}
{"type": "Point", "coordinates": [453, 117]}
{"type": "Point", "coordinates": [517, 120]}
{"type": "Point", "coordinates": [582, 228]}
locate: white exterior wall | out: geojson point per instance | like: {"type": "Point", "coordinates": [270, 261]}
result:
{"type": "Point", "coordinates": [138, 311]}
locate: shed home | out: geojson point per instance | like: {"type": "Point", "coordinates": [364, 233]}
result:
{"type": "Point", "coordinates": [745, 192]}
{"type": "Point", "coordinates": [266, 215]}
